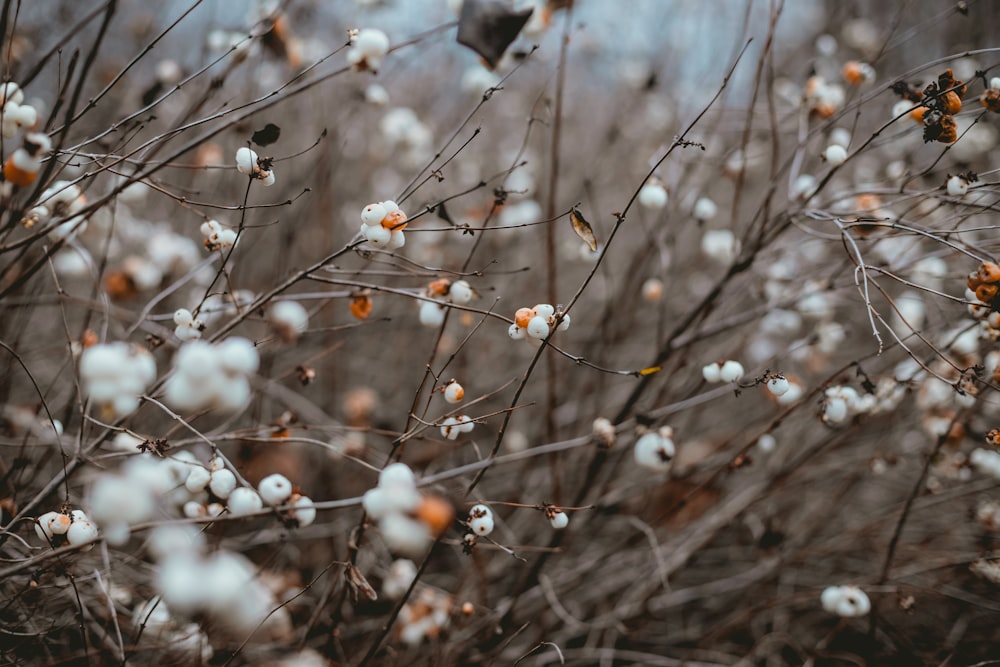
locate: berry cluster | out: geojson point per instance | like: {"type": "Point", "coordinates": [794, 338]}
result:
{"type": "Point", "coordinates": [58, 528]}
{"type": "Point", "coordinates": [407, 519]}
{"type": "Point", "coordinates": [538, 323]}
{"type": "Point", "coordinates": [254, 166]}
{"type": "Point", "coordinates": [115, 375]}
{"type": "Point", "coordinates": [382, 225]}
{"type": "Point", "coordinates": [212, 376]}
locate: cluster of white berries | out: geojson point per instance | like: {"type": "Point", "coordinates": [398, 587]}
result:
{"type": "Point", "coordinates": [655, 450]}
{"type": "Point", "coordinates": [452, 427]}
{"type": "Point", "coordinates": [62, 199]}
{"type": "Point", "coordinates": [841, 402]}
{"type": "Point", "coordinates": [249, 163]}
{"type": "Point", "coordinates": [425, 617]}
{"type": "Point", "coordinates": [727, 370]}
{"type": "Point", "coordinates": [368, 47]}
{"type": "Point", "coordinates": [382, 225]}
{"type": "Point", "coordinates": [288, 318]}
{"type": "Point", "coordinates": [207, 375]}
{"type": "Point", "coordinates": [222, 585]}
{"type": "Point", "coordinates": [392, 504]}
{"type": "Point", "coordinates": [536, 324]}
{"type": "Point", "coordinates": [845, 601]}
{"type": "Point", "coordinates": [186, 325]}
{"type": "Point", "coordinates": [23, 165]}
{"type": "Point", "coordinates": [480, 520]}
{"type": "Point", "coordinates": [273, 490]}
{"type": "Point", "coordinates": [179, 638]}
{"type": "Point", "coordinates": [443, 291]}
{"type": "Point", "coordinates": [74, 528]}
{"type": "Point", "coordinates": [115, 375]}
{"type": "Point", "coordinates": [16, 114]}
{"type": "Point", "coordinates": [653, 195]}
{"type": "Point", "coordinates": [400, 577]}
{"type": "Point", "coordinates": [216, 236]}
{"type": "Point", "coordinates": [823, 98]}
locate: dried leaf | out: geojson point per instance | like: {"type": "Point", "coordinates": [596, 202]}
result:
{"type": "Point", "coordinates": [266, 135]}
{"type": "Point", "coordinates": [583, 229]}
{"type": "Point", "coordinates": [489, 26]}
{"type": "Point", "coordinates": [359, 585]}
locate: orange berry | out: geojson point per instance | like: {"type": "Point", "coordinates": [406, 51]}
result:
{"type": "Point", "coordinates": [987, 292]}
{"type": "Point", "coordinates": [119, 285]}
{"type": "Point", "coordinates": [853, 72]}
{"type": "Point", "coordinates": [989, 272]}
{"type": "Point", "coordinates": [824, 109]}
{"type": "Point", "coordinates": [523, 316]}
{"type": "Point", "coordinates": [361, 306]}
{"type": "Point", "coordinates": [394, 220]}
{"type": "Point", "coordinates": [951, 102]}
{"type": "Point", "coordinates": [439, 287]}
{"type": "Point", "coordinates": [437, 513]}
{"type": "Point", "coordinates": [918, 114]}
{"type": "Point", "coordinates": [867, 202]}
{"type": "Point", "coordinates": [991, 100]}
{"type": "Point", "coordinates": [14, 174]}
{"type": "Point", "coordinates": [948, 132]}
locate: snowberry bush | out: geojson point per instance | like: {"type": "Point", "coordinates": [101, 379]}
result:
{"type": "Point", "coordinates": [499, 332]}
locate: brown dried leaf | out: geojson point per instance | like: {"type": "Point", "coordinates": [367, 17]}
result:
{"type": "Point", "coordinates": [583, 229]}
{"type": "Point", "coordinates": [359, 585]}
